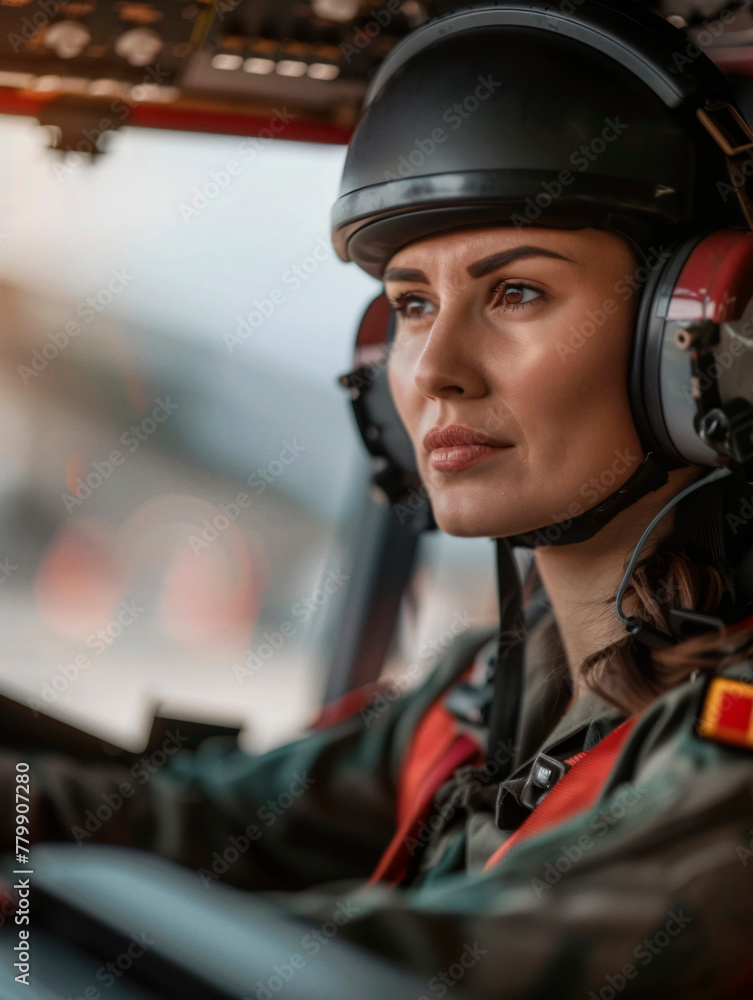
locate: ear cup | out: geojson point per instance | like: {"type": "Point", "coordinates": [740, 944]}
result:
{"type": "Point", "coordinates": [395, 472]}
{"type": "Point", "coordinates": [646, 387]}
{"type": "Point", "coordinates": [702, 295]}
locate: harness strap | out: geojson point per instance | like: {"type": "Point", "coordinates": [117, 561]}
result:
{"type": "Point", "coordinates": [577, 789]}
{"type": "Point", "coordinates": [436, 751]}
{"type": "Point", "coordinates": [346, 706]}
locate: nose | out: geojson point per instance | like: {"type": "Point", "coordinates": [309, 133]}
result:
{"type": "Point", "coordinates": [450, 363]}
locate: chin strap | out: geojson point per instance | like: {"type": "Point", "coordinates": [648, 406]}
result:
{"type": "Point", "coordinates": [684, 624]}
{"type": "Point", "coordinates": [650, 476]}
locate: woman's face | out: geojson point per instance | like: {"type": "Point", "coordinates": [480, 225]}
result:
{"type": "Point", "coordinates": [510, 369]}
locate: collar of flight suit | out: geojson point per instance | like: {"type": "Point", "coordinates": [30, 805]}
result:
{"type": "Point", "coordinates": [494, 809]}
{"type": "Point", "coordinates": [549, 733]}
{"type": "Point", "coordinates": [545, 720]}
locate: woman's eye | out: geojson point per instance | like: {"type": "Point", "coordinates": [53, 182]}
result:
{"type": "Point", "coordinates": [508, 294]}
{"type": "Point", "coordinates": [410, 306]}
{"type": "Point", "coordinates": [512, 295]}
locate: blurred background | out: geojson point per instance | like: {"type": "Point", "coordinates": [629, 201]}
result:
{"type": "Point", "coordinates": [176, 484]}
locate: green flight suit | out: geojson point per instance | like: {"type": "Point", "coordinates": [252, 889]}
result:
{"type": "Point", "coordinates": [647, 894]}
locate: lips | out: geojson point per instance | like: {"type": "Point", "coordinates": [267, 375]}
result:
{"type": "Point", "coordinates": [456, 447]}
{"type": "Point", "coordinates": [456, 434]}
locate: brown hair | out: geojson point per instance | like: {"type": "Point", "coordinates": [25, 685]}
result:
{"type": "Point", "coordinates": [630, 674]}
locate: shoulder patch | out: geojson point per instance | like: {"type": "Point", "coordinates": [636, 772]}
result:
{"type": "Point", "coordinates": [727, 712]}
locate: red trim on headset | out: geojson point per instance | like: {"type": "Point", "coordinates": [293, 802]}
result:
{"type": "Point", "coordinates": [716, 282]}
{"type": "Point", "coordinates": [375, 324]}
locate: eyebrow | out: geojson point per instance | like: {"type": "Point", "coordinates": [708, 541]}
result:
{"type": "Point", "coordinates": [480, 267]}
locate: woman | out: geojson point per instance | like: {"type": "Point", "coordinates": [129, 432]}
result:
{"type": "Point", "coordinates": [527, 250]}
{"type": "Point", "coordinates": [523, 179]}
{"type": "Point", "coordinates": [560, 424]}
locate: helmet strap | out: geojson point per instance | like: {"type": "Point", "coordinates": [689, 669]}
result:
{"type": "Point", "coordinates": [650, 476]}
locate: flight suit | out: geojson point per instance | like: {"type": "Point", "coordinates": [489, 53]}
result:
{"type": "Point", "coordinates": [648, 893]}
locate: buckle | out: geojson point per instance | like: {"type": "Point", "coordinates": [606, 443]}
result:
{"type": "Point", "coordinates": [727, 126]}
{"type": "Point", "coordinates": [546, 771]}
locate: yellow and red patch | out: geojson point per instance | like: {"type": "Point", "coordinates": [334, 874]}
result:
{"type": "Point", "coordinates": [727, 712]}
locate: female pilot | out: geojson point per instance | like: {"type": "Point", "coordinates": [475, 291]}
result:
{"type": "Point", "coordinates": [555, 200]}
